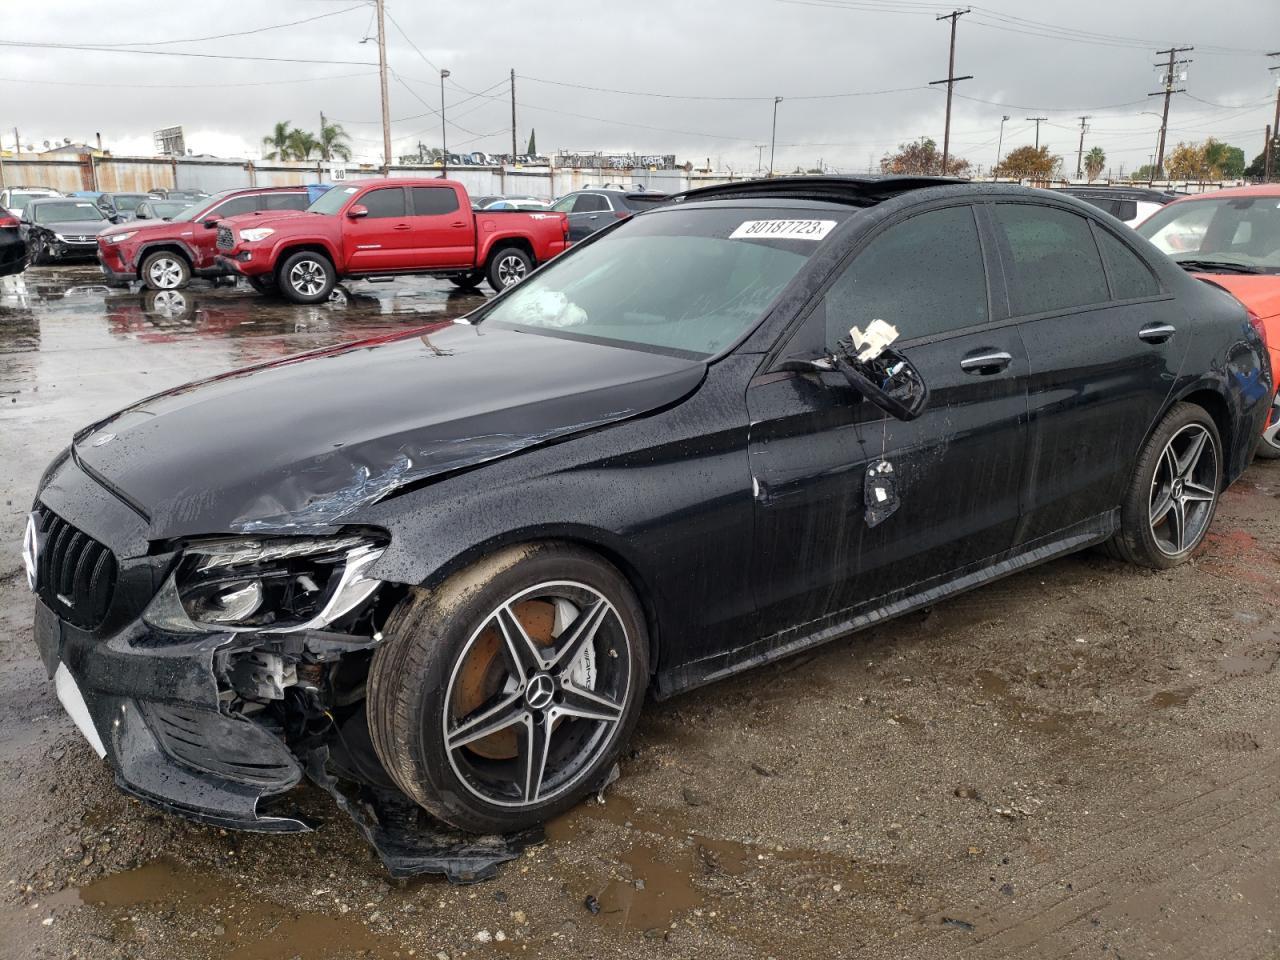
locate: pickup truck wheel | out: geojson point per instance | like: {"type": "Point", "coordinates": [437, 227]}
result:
{"type": "Point", "coordinates": [507, 267]}
{"type": "Point", "coordinates": [468, 281]}
{"type": "Point", "coordinates": [306, 277]}
{"type": "Point", "coordinates": [164, 270]}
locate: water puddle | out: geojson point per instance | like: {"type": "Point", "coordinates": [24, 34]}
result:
{"type": "Point", "coordinates": [1016, 710]}
{"type": "Point", "coordinates": [1172, 698]}
{"type": "Point", "coordinates": [242, 927]}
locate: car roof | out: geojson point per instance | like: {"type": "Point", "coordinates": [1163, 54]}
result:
{"type": "Point", "coordinates": [857, 190]}
{"type": "Point", "coordinates": [1254, 190]}
{"type": "Point", "coordinates": [1124, 193]}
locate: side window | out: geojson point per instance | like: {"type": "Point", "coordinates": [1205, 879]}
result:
{"type": "Point", "coordinates": [434, 201]}
{"type": "Point", "coordinates": [924, 275]}
{"type": "Point", "coordinates": [1055, 265]}
{"type": "Point", "coordinates": [234, 206]}
{"type": "Point", "coordinates": [285, 201]}
{"type": "Point", "coordinates": [1130, 277]}
{"type": "Point", "coordinates": [565, 204]}
{"type": "Point", "coordinates": [384, 202]}
{"type": "Point", "coordinates": [590, 203]}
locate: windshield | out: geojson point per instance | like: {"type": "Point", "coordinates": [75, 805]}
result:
{"type": "Point", "coordinates": [1236, 231]}
{"type": "Point", "coordinates": [128, 201]}
{"type": "Point", "coordinates": [18, 201]}
{"type": "Point", "coordinates": [688, 282]}
{"type": "Point", "coordinates": [332, 201]}
{"type": "Point", "coordinates": [65, 211]}
{"type": "Point", "coordinates": [199, 207]}
{"type": "Point", "coordinates": [168, 209]}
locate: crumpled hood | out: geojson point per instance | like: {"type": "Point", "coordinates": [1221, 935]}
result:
{"type": "Point", "coordinates": [305, 442]}
{"type": "Point", "coordinates": [1259, 293]}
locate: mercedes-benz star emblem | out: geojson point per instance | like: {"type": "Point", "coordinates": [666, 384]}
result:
{"type": "Point", "coordinates": [540, 692]}
{"type": "Point", "coordinates": [31, 551]}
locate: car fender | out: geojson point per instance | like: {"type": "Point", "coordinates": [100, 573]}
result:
{"type": "Point", "coordinates": [281, 246]}
{"type": "Point", "coordinates": [146, 248]}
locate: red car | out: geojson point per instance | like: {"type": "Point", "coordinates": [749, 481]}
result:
{"type": "Point", "coordinates": [377, 229]}
{"type": "Point", "coordinates": [1231, 238]}
{"type": "Point", "coordinates": [164, 255]}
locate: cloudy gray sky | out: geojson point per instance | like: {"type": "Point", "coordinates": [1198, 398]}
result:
{"type": "Point", "coordinates": [1056, 60]}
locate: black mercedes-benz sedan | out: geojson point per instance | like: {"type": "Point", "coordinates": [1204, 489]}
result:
{"type": "Point", "coordinates": [450, 564]}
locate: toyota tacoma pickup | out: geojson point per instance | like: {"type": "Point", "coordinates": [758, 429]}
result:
{"type": "Point", "coordinates": [378, 229]}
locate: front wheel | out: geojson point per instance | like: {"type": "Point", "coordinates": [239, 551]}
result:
{"type": "Point", "coordinates": [1172, 497]}
{"type": "Point", "coordinates": [507, 267]}
{"type": "Point", "coordinates": [165, 271]}
{"type": "Point", "coordinates": [1269, 447]}
{"type": "Point", "coordinates": [503, 697]}
{"type": "Point", "coordinates": [306, 277]}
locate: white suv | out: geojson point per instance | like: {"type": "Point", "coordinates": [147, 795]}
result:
{"type": "Point", "coordinates": [15, 199]}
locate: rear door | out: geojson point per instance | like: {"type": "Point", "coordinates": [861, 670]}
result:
{"type": "Point", "coordinates": [957, 469]}
{"type": "Point", "coordinates": [590, 212]}
{"type": "Point", "coordinates": [1105, 343]}
{"type": "Point", "coordinates": [382, 240]}
{"type": "Point", "coordinates": [443, 233]}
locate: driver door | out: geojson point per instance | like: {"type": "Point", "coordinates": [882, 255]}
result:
{"type": "Point", "coordinates": [957, 469]}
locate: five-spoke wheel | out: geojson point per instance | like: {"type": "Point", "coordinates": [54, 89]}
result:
{"type": "Point", "coordinates": [502, 697]}
{"type": "Point", "coordinates": [306, 277]}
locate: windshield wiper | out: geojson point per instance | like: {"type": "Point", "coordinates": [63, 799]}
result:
{"type": "Point", "coordinates": [1217, 266]}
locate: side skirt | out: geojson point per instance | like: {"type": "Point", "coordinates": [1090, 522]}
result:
{"type": "Point", "coordinates": [852, 619]}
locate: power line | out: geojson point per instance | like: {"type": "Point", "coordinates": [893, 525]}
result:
{"type": "Point", "coordinates": [239, 33]}
{"type": "Point", "coordinates": [178, 53]}
{"type": "Point", "coordinates": [692, 96]}
{"type": "Point", "coordinates": [180, 86]}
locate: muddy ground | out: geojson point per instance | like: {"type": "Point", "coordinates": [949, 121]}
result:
{"type": "Point", "coordinates": [1083, 760]}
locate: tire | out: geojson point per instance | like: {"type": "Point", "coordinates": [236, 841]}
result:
{"type": "Point", "coordinates": [468, 281]}
{"type": "Point", "coordinates": [265, 284]}
{"type": "Point", "coordinates": [306, 277]}
{"type": "Point", "coordinates": [447, 664]}
{"type": "Point", "coordinates": [1173, 495]}
{"type": "Point", "coordinates": [38, 255]}
{"type": "Point", "coordinates": [507, 267]}
{"type": "Point", "coordinates": [165, 270]}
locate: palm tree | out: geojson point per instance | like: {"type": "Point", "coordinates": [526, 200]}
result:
{"type": "Point", "coordinates": [278, 141]}
{"type": "Point", "coordinates": [1094, 161]}
{"type": "Point", "coordinates": [301, 145]}
{"type": "Point", "coordinates": [333, 142]}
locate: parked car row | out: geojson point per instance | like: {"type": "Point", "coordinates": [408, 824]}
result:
{"type": "Point", "coordinates": [733, 426]}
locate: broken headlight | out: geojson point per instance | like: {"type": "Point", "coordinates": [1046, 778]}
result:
{"type": "Point", "coordinates": [265, 585]}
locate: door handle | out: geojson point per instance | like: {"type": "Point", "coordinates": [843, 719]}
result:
{"type": "Point", "coordinates": [594, 216]}
{"type": "Point", "coordinates": [458, 223]}
{"type": "Point", "coordinates": [401, 226]}
{"type": "Point", "coordinates": [1156, 332]}
{"type": "Point", "coordinates": [986, 361]}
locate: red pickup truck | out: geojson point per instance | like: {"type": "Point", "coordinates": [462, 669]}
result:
{"type": "Point", "coordinates": [375, 229]}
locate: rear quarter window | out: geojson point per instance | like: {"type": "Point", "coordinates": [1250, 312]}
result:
{"type": "Point", "coordinates": [434, 201]}
{"type": "Point", "coordinates": [285, 201]}
{"type": "Point", "coordinates": [1130, 277]}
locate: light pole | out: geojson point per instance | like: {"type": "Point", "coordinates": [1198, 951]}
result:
{"type": "Point", "coordinates": [1151, 172]}
{"type": "Point", "coordinates": [999, 144]}
{"type": "Point", "coordinates": [773, 138]}
{"type": "Point", "coordinates": [444, 137]}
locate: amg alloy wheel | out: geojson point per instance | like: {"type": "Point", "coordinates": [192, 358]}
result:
{"type": "Point", "coordinates": [499, 709]}
{"type": "Point", "coordinates": [1269, 448]}
{"type": "Point", "coordinates": [1174, 491]}
{"type": "Point", "coordinates": [165, 271]}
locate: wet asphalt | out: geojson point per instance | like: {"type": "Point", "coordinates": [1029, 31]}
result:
{"type": "Point", "coordinates": [1082, 760]}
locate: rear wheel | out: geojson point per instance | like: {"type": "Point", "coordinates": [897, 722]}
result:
{"type": "Point", "coordinates": [1269, 448]}
{"type": "Point", "coordinates": [1174, 491]}
{"type": "Point", "coordinates": [306, 277]}
{"type": "Point", "coordinates": [503, 697]}
{"type": "Point", "coordinates": [164, 270]}
{"type": "Point", "coordinates": [507, 267]}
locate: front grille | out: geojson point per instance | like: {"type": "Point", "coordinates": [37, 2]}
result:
{"type": "Point", "coordinates": [75, 238]}
{"type": "Point", "coordinates": [235, 749]}
{"type": "Point", "coordinates": [226, 239]}
{"type": "Point", "coordinates": [75, 574]}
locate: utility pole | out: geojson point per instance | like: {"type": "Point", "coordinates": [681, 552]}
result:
{"type": "Point", "coordinates": [1270, 153]}
{"type": "Point", "coordinates": [1266, 155]}
{"type": "Point", "coordinates": [999, 144]}
{"type": "Point", "coordinates": [950, 81]}
{"type": "Point", "coordinates": [382, 79]}
{"type": "Point", "coordinates": [17, 142]}
{"type": "Point", "coordinates": [1038, 121]}
{"type": "Point", "coordinates": [444, 137]}
{"type": "Point", "coordinates": [514, 151]}
{"type": "Point", "coordinates": [1169, 77]}
{"type": "Point", "coordinates": [1080, 152]}
{"type": "Point", "coordinates": [773, 138]}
